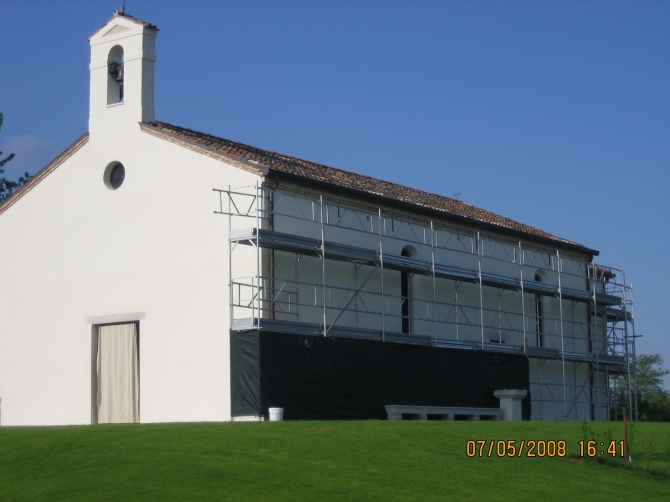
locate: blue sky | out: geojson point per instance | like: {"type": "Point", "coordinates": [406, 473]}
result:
{"type": "Point", "coordinates": [556, 114]}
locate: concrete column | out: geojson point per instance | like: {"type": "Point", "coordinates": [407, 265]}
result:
{"type": "Point", "coordinates": [510, 403]}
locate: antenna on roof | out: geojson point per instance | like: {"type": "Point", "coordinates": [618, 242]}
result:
{"type": "Point", "coordinates": [122, 9]}
{"type": "Point", "coordinates": [457, 195]}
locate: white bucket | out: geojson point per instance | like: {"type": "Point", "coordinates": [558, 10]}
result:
{"type": "Point", "coordinates": [276, 414]}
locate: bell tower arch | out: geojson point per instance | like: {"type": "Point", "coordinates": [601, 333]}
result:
{"type": "Point", "coordinates": [115, 75]}
{"type": "Point", "coordinates": [122, 74]}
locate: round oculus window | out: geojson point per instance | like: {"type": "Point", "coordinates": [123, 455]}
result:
{"type": "Point", "coordinates": [115, 173]}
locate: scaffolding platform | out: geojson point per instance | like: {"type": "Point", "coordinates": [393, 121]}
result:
{"type": "Point", "coordinates": [269, 239]}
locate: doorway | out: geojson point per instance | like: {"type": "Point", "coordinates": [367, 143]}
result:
{"type": "Point", "coordinates": [117, 374]}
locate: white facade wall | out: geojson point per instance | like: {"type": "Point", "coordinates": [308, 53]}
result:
{"type": "Point", "coordinates": [75, 249]}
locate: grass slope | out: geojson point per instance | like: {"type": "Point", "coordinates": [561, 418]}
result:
{"type": "Point", "coordinates": [370, 460]}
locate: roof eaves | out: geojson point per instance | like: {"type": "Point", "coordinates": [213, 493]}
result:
{"type": "Point", "coordinates": [43, 173]}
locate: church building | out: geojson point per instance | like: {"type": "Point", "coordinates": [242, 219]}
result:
{"type": "Point", "coordinates": [154, 273]}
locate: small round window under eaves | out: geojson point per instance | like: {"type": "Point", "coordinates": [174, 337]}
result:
{"type": "Point", "coordinates": [114, 175]}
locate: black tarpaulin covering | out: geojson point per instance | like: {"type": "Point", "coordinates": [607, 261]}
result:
{"type": "Point", "coordinates": [315, 377]}
{"type": "Point", "coordinates": [245, 374]}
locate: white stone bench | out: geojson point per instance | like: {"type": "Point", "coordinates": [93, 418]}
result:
{"type": "Point", "coordinates": [396, 412]}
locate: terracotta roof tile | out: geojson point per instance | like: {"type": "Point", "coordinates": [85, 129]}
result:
{"type": "Point", "coordinates": [365, 184]}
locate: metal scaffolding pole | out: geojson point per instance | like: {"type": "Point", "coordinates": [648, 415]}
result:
{"type": "Point", "coordinates": [625, 341]}
{"type": "Point", "coordinates": [381, 268]}
{"type": "Point", "coordinates": [574, 394]}
{"type": "Point", "coordinates": [230, 256]}
{"type": "Point", "coordinates": [481, 294]}
{"type": "Point", "coordinates": [595, 334]}
{"type": "Point", "coordinates": [635, 390]}
{"type": "Point", "coordinates": [259, 267]}
{"type": "Point", "coordinates": [539, 368]}
{"type": "Point", "coordinates": [574, 365]}
{"type": "Point", "coordinates": [323, 267]}
{"type": "Point", "coordinates": [456, 284]}
{"type": "Point", "coordinates": [432, 267]}
{"type": "Point", "coordinates": [500, 292]}
{"type": "Point", "coordinates": [560, 307]}
{"type": "Point", "coordinates": [523, 297]}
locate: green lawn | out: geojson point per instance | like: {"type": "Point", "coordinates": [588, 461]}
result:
{"type": "Point", "coordinates": [369, 460]}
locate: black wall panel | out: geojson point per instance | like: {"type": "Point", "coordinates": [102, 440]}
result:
{"type": "Point", "coordinates": [314, 377]}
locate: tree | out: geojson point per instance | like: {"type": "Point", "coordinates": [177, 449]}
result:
{"type": "Point", "coordinates": [653, 399]}
{"type": "Point", "coordinates": [656, 407]}
{"type": "Point", "coordinates": [649, 378]}
{"type": "Point", "coordinates": [7, 187]}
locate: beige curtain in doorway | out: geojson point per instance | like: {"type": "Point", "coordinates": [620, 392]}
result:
{"type": "Point", "coordinates": [118, 375]}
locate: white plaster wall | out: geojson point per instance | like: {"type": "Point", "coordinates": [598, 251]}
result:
{"type": "Point", "coordinates": [546, 387]}
{"type": "Point", "coordinates": [74, 249]}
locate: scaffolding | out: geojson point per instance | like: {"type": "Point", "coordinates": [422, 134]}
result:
{"type": "Point", "coordinates": [473, 291]}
